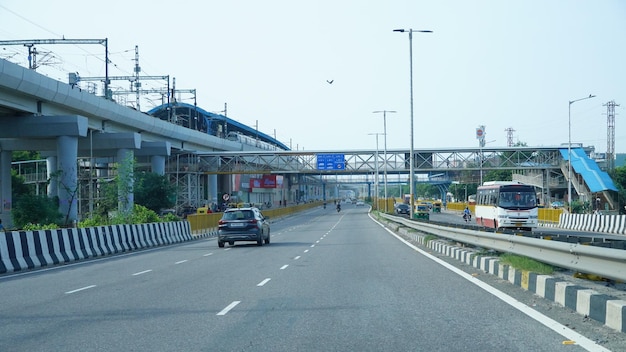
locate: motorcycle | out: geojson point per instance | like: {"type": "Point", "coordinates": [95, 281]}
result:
{"type": "Point", "coordinates": [338, 208]}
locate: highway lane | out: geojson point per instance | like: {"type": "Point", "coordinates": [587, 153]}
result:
{"type": "Point", "coordinates": [329, 281]}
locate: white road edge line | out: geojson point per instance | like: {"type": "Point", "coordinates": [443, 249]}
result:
{"type": "Point", "coordinates": [228, 308]}
{"type": "Point", "coordinates": [263, 282]}
{"type": "Point", "coordinates": [142, 272]}
{"type": "Point", "coordinates": [553, 325]}
{"type": "Point", "coordinates": [80, 289]}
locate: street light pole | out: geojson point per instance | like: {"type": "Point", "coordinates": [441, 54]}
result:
{"type": "Point", "coordinates": [569, 150]}
{"type": "Point", "coordinates": [376, 166]}
{"type": "Point", "coordinates": [385, 152]}
{"type": "Point", "coordinates": [411, 162]}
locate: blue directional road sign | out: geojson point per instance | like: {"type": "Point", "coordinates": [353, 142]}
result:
{"type": "Point", "coordinates": [331, 161]}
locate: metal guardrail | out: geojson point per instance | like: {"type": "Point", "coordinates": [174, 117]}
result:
{"type": "Point", "coordinates": [606, 262]}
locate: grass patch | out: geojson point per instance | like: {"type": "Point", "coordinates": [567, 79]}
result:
{"type": "Point", "coordinates": [524, 263]}
{"type": "Point", "coordinates": [429, 238]}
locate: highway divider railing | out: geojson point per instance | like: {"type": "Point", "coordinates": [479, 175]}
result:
{"type": "Point", "coordinates": [207, 224]}
{"type": "Point", "coordinates": [609, 263]}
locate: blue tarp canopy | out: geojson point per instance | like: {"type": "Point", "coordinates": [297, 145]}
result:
{"type": "Point", "coordinates": [596, 179]}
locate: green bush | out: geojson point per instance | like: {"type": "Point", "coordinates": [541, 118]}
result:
{"type": "Point", "coordinates": [33, 227]}
{"type": "Point", "coordinates": [32, 209]}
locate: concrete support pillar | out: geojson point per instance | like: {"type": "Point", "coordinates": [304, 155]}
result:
{"type": "Point", "coordinates": [66, 177]}
{"type": "Point", "coordinates": [51, 166]}
{"type": "Point", "coordinates": [212, 195]}
{"type": "Point", "coordinates": [125, 162]}
{"type": "Point", "coordinates": [158, 164]}
{"type": "Point", "coordinates": [5, 188]}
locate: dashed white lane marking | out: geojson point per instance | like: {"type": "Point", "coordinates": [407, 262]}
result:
{"type": "Point", "coordinates": [80, 289]}
{"type": "Point", "coordinates": [227, 249]}
{"type": "Point", "coordinates": [263, 282]}
{"type": "Point", "coordinates": [284, 267]}
{"type": "Point", "coordinates": [208, 254]}
{"type": "Point", "coordinates": [142, 272]}
{"type": "Point", "coordinates": [318, 241]}
{"type": "Point", "coordinates": [296, 258]}
{"type": "Point", "coordinates": [181, 261]}
{"type": "Point", "coordinates": [306, 250]}
{"type": "Point", "coordinates": [312, 245]}
{"type": "Point", "coordinates": [228, 308]}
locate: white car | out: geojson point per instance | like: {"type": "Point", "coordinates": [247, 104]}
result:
{"type": "Point", "coordinates": [360, 203]}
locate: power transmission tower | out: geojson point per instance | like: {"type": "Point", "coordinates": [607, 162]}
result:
{"type": "Point", "coordinates": [610, 134]}
{"type": "Point", "coordinates": [509, 136]}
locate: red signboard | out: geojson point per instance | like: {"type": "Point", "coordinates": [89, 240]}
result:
{"type": "Point", "coordinates": [267, 181]}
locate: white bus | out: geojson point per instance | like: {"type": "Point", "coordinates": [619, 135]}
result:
{"type": "Point", "coordinates": [506, 204]}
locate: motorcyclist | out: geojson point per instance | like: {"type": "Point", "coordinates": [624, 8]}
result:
{"type": "Point", "coordinates": [467, 214]}
{"type": "Point", "coordinates": [338, 207]}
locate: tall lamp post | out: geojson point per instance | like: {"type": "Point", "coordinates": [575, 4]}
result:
{"type": "Point", "coordinates": [569, 150]}
{"type": "Point", "coordinates": [385, 151]}
{"type": "Point", "coordinates": [376, 166]}
{"type": "Point", "coordinates": [411, 162]}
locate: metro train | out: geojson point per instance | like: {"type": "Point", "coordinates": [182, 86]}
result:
{"type": "Point", "coordinates": [244, 139]}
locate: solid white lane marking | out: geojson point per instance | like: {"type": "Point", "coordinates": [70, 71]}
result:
{"type": "Point", "coordinates": [208, 254]}
{"type": "Point", "coordinates": [81, 289]}
{"type": "Point", "coordinates": [142, 272]}
{"type": "Point", "coordinates": [284, 267]}
{"type": "Point", "coordinates": [553, 325]}
{"type": "Point", "coordinates": [296, 258]}
{"type": "Point", "coordinates": [263, 282]}
{"type": "Point", "coordinates": [180, 262]}
{"type": "Point", "coordinates": [228, 308]}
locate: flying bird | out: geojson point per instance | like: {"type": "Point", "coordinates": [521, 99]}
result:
{"type": "Point", "coordinates": [331, 81]}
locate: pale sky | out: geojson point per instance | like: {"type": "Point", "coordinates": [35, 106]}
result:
{"type": "Point", "coordinates": [501, 64]}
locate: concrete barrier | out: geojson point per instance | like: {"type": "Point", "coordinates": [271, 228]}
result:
{"type": "Point", "coordinates": [20, 250]}
{"type": "Point", "coordinates": [615, 224]}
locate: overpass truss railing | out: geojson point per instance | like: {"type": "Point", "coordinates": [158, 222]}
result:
{"type": "Point", "coordinates": [395, 161]}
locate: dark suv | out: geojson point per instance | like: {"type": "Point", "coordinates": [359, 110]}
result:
{"type": "Point", "coordinates": [243, 224]}
{"type": "Point", "coordinates": [402, 208]}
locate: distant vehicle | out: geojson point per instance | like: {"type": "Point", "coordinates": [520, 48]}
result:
{"type": "Point", "coordinates": [421, 212]}
{"type": "Point", "coordinates": [506, 204]}
{"type": "Point", "coordinates": [360, 203]}
{"type": "Point", "coordinates": [402, 208]}
{"type": "Point", "coordinates": [557, 204]}
{"type": "Point", "coordinates": [243, 224]}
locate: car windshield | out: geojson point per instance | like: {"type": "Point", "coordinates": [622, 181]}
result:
{"type": "Point", "coordinates": [238, 215]}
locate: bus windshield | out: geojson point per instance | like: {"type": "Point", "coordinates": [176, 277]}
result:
{"type": "Point", "coordinates": [517, 199]}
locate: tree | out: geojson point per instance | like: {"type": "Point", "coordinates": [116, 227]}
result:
{"type": "Point", "coordinates": [154, 191]}
{"type": "Point", "coordinates": [498, 175]}
{"type": "Point", "coordinates": [619, 178]}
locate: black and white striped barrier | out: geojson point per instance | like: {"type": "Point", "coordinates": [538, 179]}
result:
{"type": "Point", "coordinates": [615, 224]}
{"type": "Point", "coordinates": [21, 250]}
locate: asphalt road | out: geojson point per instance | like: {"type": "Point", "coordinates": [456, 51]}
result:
{"type": "Point", "coordinates": [328, 282]}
